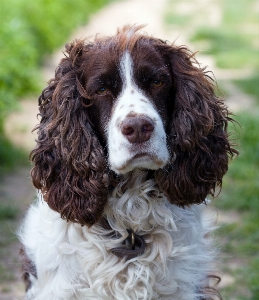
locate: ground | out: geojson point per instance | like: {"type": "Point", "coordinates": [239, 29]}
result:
{"type": "Point", "coordinates": [16, 188]}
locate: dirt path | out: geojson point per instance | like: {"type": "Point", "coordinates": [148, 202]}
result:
{"type": "Point", "coordinates": [16, 187]}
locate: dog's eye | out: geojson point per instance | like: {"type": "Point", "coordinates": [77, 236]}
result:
{"type": "Point", "coordinates": [157, 83]}
{"type": "Point", "coordinates": [102, 91]}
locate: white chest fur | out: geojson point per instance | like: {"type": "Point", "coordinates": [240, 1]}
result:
{"type": "Point", "coordinates": [75, 262]}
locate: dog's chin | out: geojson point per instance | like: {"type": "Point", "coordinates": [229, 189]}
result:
{"type": "Point", "coordinates": [139, 161]}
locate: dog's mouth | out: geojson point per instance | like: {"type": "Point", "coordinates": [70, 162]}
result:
{"type": "Point", "coordinates": [140, 155]}
{"type": "Point", "coordinates": [143, 160]}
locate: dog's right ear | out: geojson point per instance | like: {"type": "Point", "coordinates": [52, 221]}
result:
{"type": "Point", "coordinates": [197, 134]}
{"type": "Point", "coordinates": [70, 166]}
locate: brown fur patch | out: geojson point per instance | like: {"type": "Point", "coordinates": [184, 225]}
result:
{"type": "Point", "coordinates": [27, 268]}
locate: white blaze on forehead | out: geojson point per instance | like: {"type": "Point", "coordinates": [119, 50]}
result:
{"type": "Point", "coordinates": [126, 68]}
{"type": "Point", "coordinates": [131, 96]}
{"type": "Point", "coordinates": [133, 101]}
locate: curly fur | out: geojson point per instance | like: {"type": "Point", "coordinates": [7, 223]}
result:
{"type": "Point", "coordinates": [197, 131]}
{"type": "Point", "coordinates": [78, 262]}
{"type": "Point", "coordinates": [75, 173]}
{"type": "Point", "coordinates": [70, 165]}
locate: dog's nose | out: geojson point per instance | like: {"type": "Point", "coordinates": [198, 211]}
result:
{"type": "Point", "coordinates": [137, 129]}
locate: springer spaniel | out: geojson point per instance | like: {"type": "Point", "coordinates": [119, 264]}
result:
{"type": "Point", "coordinates": [132, 139]}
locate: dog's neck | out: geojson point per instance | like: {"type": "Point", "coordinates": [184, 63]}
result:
{"type": "Point", "coordinates": [137, 203]}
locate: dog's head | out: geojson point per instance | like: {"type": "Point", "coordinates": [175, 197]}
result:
{"type": "Point", "coordinates": [125, 102]}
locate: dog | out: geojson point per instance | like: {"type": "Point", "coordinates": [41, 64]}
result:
{"type": "Point", "coordinates": [132, 139]}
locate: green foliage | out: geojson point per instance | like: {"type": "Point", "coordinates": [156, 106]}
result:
{"type": "Point", "coordinates": [29, 30]}
{"type": "Point", "coordinates": [243, 173]}
{"type": "Point", "coordinates": [17, 56]}
{"type": "Point", "coordinates": [8, 216]}
{"type": "Point", "coordinates": [176, 19]}
{"type": "Point", "coordinates": [5, 275]}
{"type": "Point", "coordinates": [241, 243]}
{"type": "Point", "coordinates": [252, 277]}
{"type": "Point", "coordinates": [8, 212]}
{"type": "Point", "coordinates": [250, 85]}
{"type": "Point", "coordinates": [51, 21]}
{"type": "Point", "coordinates": [10, 155]}
{"type": "Point", "coordinates": [230, 48]}
{"type": "Point", "coordinates": [232, 42]}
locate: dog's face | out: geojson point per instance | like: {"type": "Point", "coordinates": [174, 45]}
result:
{"type": "Point", "coordinates": [131, 106]}
{"type": "Point", "coordinates": [124, 102]}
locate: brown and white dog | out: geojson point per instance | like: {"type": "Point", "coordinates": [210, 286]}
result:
{"type": "Point", "coordinates": [132, 139]}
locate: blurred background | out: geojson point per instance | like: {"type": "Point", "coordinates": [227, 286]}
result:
{"type": "Point", "coordinates": [225, 33]}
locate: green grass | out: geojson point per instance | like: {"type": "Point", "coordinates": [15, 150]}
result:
{"type": "Point", "coordinates": [9, 215]}
{"type": "Point", "coordinates": [11, 156]}
{"type": "Point", "coordinates": [241, 193]}
{"type": "Point", "coordinates": [233, 42]}
{"type": "Point", "coordinates": [175, 19]}
{"type": "Point", "coordinates": [229, 48]}
{"type": "Point", "coordinates": [5, 276]}
{"type": "Point", "coordinates": [8, 212]}
{"type": "Point", "coordinates": [8, 226]}
{"type": "Point", "coordinates": [244, 171]}
{"type": "Point", "coordinates": [250, 85]}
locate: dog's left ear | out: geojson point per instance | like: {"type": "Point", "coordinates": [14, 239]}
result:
{"type": "Point", "coordinates": [197, 133]}
{"type": "Point", "coordinates": [70, 165]}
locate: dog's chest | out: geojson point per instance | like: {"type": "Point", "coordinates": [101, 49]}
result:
{"type": "Point", "coordinates": [172, 256]}
{"type": "Point", "coordinates": [80, 264]}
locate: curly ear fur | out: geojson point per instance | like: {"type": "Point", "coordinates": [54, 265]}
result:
{"type": "Point", "coordinates": [197, 134]}
{"type": "Point", "coordinates": [70, 166]}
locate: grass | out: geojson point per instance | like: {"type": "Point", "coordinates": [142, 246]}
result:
{"type": "Point", "coordinates": [11, 156]}
{"type": "Point", "coordinates": [233, 42]}
{"type": "Point", "coordinates": [241, 193]}
{"type": "Point", "coordinates": [8, 221]}
{"type": "Point", "coordinates": [229, 48]}
{"type": "Point", "coordinates": [175, 19]}
{"type": "Point", "coordinates": [244, 171]}
{"type": "Point", "coordinates": [8, 212]}
{"type": "Point", "coordinates": [250, 85]}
